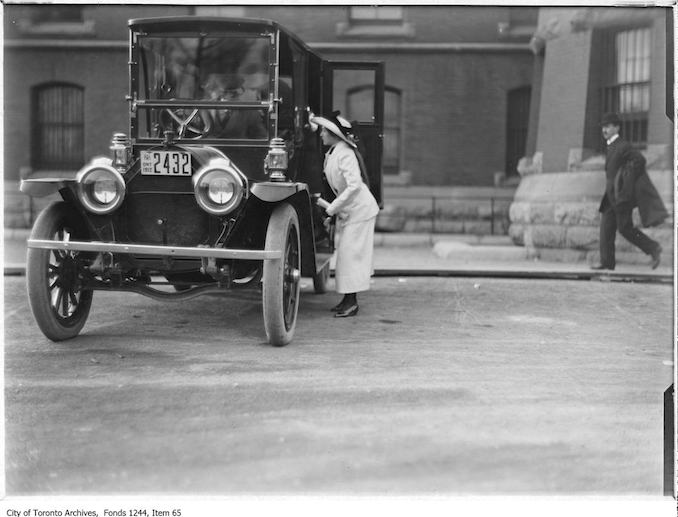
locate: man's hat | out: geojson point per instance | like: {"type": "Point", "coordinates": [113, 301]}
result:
{"type": "Point", "coordinates": [335, 124]}
{"type": "Point", "coordinates": [611, 118]}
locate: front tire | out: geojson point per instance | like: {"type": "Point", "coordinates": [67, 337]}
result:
{"type": "Point", "coordinates": [281, 277]}
{"type": "Point", "coordinates": [54, 278]}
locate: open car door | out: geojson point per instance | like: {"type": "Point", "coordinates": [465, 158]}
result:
{"type": "Point", "coordinates": [356, 88]}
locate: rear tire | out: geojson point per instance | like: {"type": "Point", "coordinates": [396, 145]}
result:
{"type": "Point", "coordinates": [281, 277]}
{"type": "Point", "coordinates": [321, 279]}
{"type": "Point", "coordinates": [54, 278]}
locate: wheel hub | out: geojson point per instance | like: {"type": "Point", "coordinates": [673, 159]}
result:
{"type": "Point", "coordinates": [68, 272]}
{"type": "Point", "coordinates": [293, 275]}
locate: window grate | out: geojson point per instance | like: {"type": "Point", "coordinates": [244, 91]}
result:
{"type": "Point", "coordinates": [626, 88]}
{"type": "Point", "coordinates": [58, 140]}
{"type": "Point", "coordinates": [375, 15]}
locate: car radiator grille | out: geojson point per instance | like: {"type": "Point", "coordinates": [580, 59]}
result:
{"type": "Point", "coordinates": [166, 219]}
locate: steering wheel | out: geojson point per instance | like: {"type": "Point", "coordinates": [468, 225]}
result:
{"type": "Point", "coordinates": [192, 126]}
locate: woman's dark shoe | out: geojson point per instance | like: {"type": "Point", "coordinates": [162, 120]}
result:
{"type": "Point", "coordinates": [338, 307]}
{"type": "Point", "coordinates": [351, 310]}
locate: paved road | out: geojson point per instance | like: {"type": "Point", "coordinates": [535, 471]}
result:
{"type": "Point", "coordinates": [440, 385]}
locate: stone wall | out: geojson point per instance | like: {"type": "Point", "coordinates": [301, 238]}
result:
{"type": "Point", "coordinates": [555, 216]}
{"type": "Point", "coordinates": [21, 210]}
{"type": "Point", "coordinates": [460, 210]}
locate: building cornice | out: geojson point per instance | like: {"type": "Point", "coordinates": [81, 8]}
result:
{"type": "Point", "coordinates": [383, 47]}
{"type": "Point", "coordinates": [49, 43]}
{"type": "Point", "coordinates": [419, 48]}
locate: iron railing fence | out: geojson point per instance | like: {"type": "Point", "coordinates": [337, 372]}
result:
{"type": "Point", "coordinates": [462, 213]}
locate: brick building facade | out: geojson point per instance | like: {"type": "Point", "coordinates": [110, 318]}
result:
{"type": "Point", "coordinates": [451, 73]}
{"type": "Point", "coordinates": [589, 61]}
{"type": "Point", "coordinates": [593, 60]}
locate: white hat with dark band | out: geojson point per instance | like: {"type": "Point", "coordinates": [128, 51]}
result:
{"type": "Point", "coordinates": [336, 125]}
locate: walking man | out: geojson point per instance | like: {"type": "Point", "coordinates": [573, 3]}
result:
{"type": "Point", "coordinates": [626, 185]}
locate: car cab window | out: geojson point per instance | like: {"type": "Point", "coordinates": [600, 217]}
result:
{"type": "Point", "coordinates": [187, 72]}
{"type": "Point", "coordinates": [180, 68]}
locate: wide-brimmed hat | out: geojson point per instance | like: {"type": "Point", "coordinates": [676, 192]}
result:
{"type": "Point", "coordinates": [611, 118]}
{"type": "Point", "coordinates": [337, 125]}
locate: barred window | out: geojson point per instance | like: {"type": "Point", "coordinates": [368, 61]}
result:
{"type": "Point", "coordinates": [626, 86]}
{"type": "Point", "coordinates": [58, 126]}
{"type": "Point", "coordinates": [57, 14]}
{"type": "Point", "coordinates": [376, 14]}
{"type": "Point", "coordinates": [55, 20]}
{"type": "Point", "coordinates": [375, 21]}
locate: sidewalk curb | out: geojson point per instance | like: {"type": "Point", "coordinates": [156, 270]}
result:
{"type": "Point", "coordinates": [386, 239]}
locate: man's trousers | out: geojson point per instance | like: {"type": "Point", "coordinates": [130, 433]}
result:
{"type": "Point", "coordinates": [619, 218]}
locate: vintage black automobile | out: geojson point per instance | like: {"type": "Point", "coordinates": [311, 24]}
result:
{"type": "Point", "coordinates": [214, 188]}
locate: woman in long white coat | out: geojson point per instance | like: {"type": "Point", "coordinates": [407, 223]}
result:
{"type": "Point", "coordinates": [356, 212]}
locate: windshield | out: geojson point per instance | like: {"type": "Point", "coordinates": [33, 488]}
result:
{"type": "Point", "coordinates": [192, 68]}
{"type": "Point", "coordinates": [230, 70]}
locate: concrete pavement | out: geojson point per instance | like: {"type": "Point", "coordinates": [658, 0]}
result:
{"type": "Point", "coordinates": [439, 254]}
{"type": "Point", "coordinates": [458, 386]}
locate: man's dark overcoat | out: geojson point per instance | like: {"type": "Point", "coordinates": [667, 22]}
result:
{"type": "Point", "coordinates": [628, 185]}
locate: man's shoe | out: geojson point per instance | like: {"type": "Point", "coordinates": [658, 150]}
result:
{"type": "Point", "coordinates": [347, 312]}
{"type": "Point", "coordinates": [599, 267]}
{"type": "Point", "coordinates": [656, 257]}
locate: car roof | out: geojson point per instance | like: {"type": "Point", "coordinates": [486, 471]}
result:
{"type": "Point", "coordinates": [209, 23]}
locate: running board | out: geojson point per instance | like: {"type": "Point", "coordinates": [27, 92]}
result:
{"type": "Point", "coordinates": [145, 249]}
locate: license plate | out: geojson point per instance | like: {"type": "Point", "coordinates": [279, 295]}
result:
{"type": "Point", "coordinates": [165, 163]}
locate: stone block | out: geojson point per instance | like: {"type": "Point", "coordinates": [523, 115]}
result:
{"type": "Point", "coordinates": [541, 213]}
{"type": "Point", "coordinates": [562, 255]}
{"type": "Point", "coordinates": [418, 225]}
{"type": "Point", "coordinates": [529, 165]}
{"type": "Point", "coordinates": [447, 226]}
{"type": "Point", "coordinates": [561, 187]}
{"type": "Point", "coordinates": [576, 213]}
{"type": "Point", "coordinates": [420, 211]}
{"type": "Point", "coordinates": [477, 227]}
{"type": "Point", "coordinates": [498, 209]}
{"type": "Point", "coordinates": [391, 219]}
{"type": "Point", "coordinates": [546, 236]}
{"type": "Point", "coordinates": [582, 237]}
{"type": "Point", "coordinates": [516, 233]}
{"type": "Point", "coordinates": [500, 225]}
{"type": "Point", "coordinates": [519, 212]}
{"type": "Point", "coordinates": [593, 163]}
{"type": "Point", "coordinates": [456, 209]}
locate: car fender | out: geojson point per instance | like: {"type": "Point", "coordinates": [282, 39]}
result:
{"type": "Point", "coordinates": [272, 192]}
{"type": "Point", "coordinates": [298, 195]}
{"type": "Point", "coordinates": [43, 187]}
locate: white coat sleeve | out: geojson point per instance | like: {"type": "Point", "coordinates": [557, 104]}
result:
{"type": "Point", "coordinates": [350, 171]}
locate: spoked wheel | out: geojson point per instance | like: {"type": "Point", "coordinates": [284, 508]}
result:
{"type": "Point", "coordinates": [281, 278]}
{"type": "Point", "coordinates": [321, 278]}
{"type": "Point", "coordinates": [55, 278]}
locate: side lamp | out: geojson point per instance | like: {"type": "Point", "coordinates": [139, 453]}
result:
{"type": "Point", "coordinates": [276, 160]}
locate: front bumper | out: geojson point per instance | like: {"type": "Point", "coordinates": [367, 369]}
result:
{"type": "Point", "coordinates": [164, 251]}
